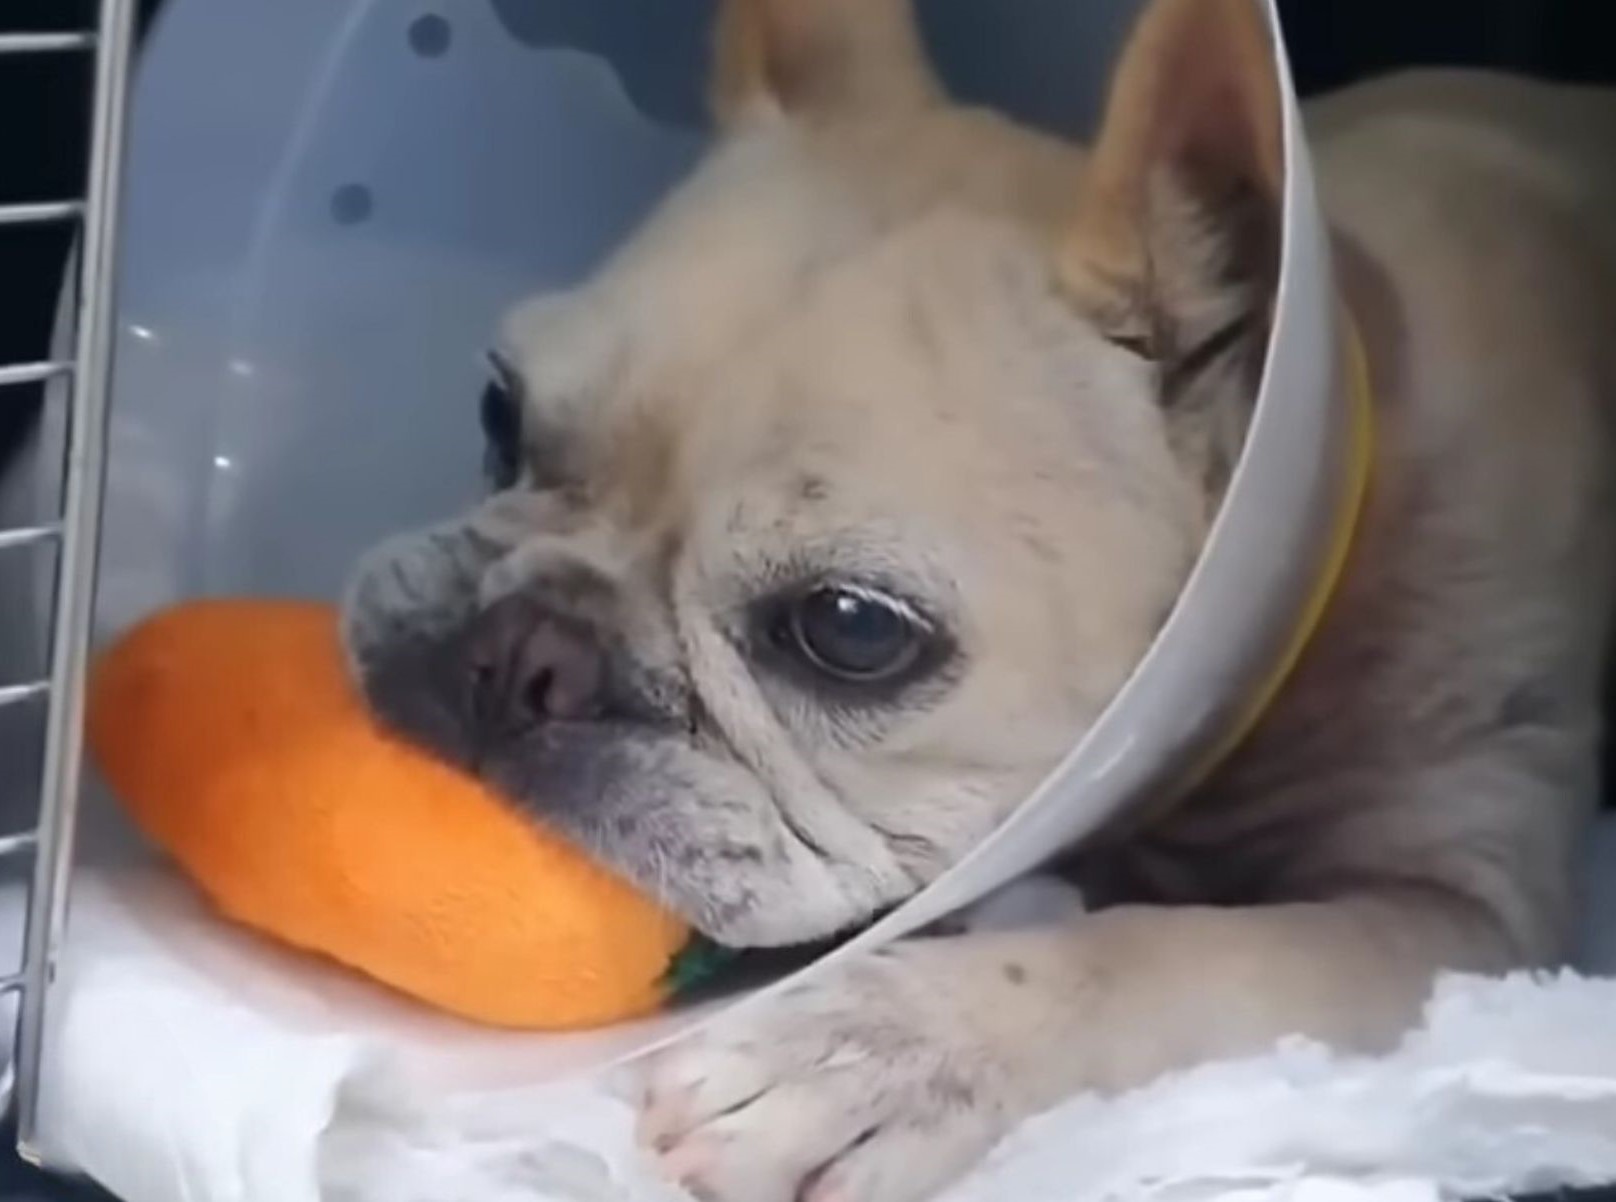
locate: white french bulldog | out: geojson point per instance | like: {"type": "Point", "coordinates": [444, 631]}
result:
{"type": "Point", "coordinates": [846, 495]}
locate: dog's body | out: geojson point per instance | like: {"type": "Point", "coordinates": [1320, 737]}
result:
{"type": "Point", "coordinates": [889, 377]}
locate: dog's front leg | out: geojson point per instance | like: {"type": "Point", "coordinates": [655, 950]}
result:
{"type": "Point", "coordinates": [885, 1080]}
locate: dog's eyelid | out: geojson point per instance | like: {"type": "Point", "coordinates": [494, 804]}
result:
{"type": "Point", "coordinates": [502, 371]}
{"type": "Point", "coordinates": [879, 596]}
{"type": "Point", "coordinates": [501, 409]}
{"type": "Point", "coordinates": [535, 431]}
{"type": "Point", "coordinates": [903, 598]}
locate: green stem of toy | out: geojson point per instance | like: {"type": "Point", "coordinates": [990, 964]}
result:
{"type": "Point", "coordinates": [697, 962]}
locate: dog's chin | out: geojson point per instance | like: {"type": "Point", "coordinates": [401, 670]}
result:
{"type": "Point", "coordinates": [688, 825]}
{"type": "Point", "coordinates": [685, 823]}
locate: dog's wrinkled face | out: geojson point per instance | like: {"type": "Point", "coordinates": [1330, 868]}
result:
{"type": "Point", "coordinates": [829, 513]}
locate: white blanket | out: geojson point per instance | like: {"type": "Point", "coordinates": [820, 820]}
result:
{"type": "Point", "coordinates": [193, 1062]}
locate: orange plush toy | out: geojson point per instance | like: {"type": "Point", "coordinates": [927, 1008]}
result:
{"type": "Point", "coordinates": [230, 731]}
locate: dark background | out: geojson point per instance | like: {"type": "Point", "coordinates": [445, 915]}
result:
{"type": "Point", "coordinates": [45, 107]}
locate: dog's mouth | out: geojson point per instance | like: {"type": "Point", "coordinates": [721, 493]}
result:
{"type": "Point", "coordinates": [683, 820]}
{"type": "Point", "coordinates": [667, 801]}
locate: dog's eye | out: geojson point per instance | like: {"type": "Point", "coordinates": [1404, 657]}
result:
{"type": "Point", "coordinates": [500, 411]}
{"type": "Point", "coordinates": [853, 634]}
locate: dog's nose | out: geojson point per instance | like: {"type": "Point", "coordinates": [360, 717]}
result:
{"type": "Point", "coordinates": [530, 665]}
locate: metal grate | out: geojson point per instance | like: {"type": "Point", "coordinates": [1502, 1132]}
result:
{"type": "Point", "coordinates": [76, 533]}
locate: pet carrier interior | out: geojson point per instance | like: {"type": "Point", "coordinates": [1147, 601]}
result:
{"type": "Point", "coordinates": [328, 204]}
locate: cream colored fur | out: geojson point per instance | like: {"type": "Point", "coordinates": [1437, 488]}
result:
{"type": "Point", "coordinates": [889, 335]}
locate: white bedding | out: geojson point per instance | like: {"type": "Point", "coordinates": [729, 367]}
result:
{"type": "Point", "coordinates": [1508, 1086]}
{"type": "Point", "coordinates": [193, 1062]}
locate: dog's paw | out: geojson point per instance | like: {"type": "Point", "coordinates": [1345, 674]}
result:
{"type": "Point", "coordinates": [866, 1086]}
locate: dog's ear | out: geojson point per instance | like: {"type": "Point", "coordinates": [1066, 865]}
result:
{"type": "Point", "coordinates": [1180, 202]}
{"type": "Point", "coordinates": [818, 58]}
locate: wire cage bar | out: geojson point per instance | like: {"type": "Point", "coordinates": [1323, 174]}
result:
{"type": "Point", "coordinates": [76, 533]}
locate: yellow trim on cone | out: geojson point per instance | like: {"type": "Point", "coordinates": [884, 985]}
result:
{"type": "Point", "coordinates": [1360, 456]}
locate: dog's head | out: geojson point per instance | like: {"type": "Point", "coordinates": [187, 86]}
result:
{"type": "Point", "coordinates": [837, 505]}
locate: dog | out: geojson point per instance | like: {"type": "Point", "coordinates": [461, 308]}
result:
{"type": "Point", "coordinates": [833, 510]}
